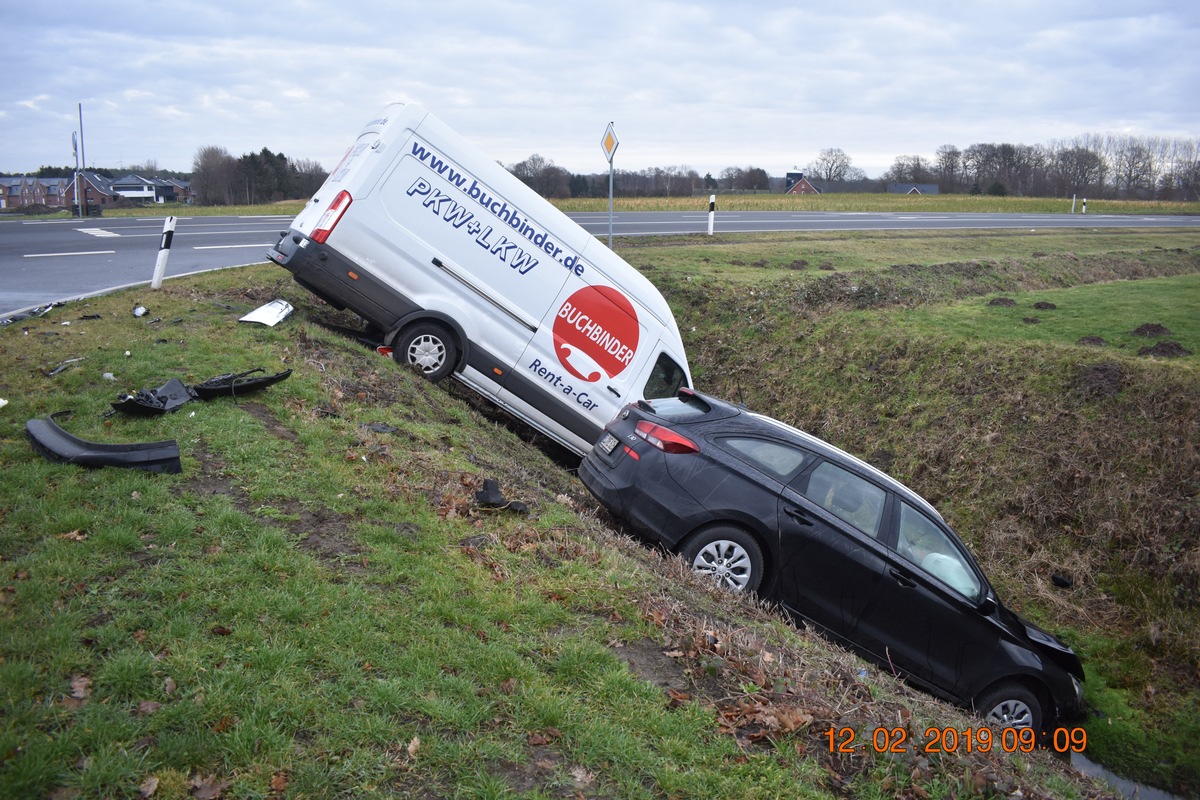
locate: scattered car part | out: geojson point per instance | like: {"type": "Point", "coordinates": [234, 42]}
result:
{"type": "Point", "coordinates": [490, 497]}
{"type": "Point", "coordinates": [62, 366]}
{"type": "Point", "coordinates": [174, 393]}
{"type": "Point", "coordinates": [55, 444]}
{"type": "Point", "coordinates": [140, 311]}
{"type": "Point", "coordinates": [233, 384]}
{"type": "Point", "coordinates": [270, 314]}
{"type": "Point", "coordinates": [152, 402]}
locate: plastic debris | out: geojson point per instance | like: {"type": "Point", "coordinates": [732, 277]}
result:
{"type": "Point", "coordinates": [55, 444]}
{"type": "Point", "coordinates": [270, 314]}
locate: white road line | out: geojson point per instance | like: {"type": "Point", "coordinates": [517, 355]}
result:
{"type": "Point", "coordinates": [229, 246]}
{"type": "Point", "coordinates": [103, 234]}
{"type": "Point", "coordinates": [57, 255]}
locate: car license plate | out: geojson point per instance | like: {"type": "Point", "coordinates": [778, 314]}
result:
{"type": "Point", "coordinates": [608, 443]}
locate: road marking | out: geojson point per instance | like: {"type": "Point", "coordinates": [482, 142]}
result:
{"type": "Point", "coordinates": [103, 234]}
{"type": "Point", "coordinates": [229, 246]}
{"type": "Point", "coordinates": [84, 253]}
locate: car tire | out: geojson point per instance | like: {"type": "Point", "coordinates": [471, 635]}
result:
{"type": "Point", "coordinates": [730, 555]}
{"type": "Point", "coordinates": [1010, 705]}
{"type": "Point", "coordinates": [429, 347]}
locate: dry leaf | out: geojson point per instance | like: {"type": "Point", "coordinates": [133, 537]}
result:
{"type": "Point", "coordinates": [81, 687]}
{"type": "Point", "coordinates": [148, 787]}
{"type": "Point", "coordinates": [73, 536]}
{"type": "Point", "coordinates": [169, 686]}
{"type": "Point", "coordinates": [413, 745]}
{"type": "Point", "coordinates": [147, 707]}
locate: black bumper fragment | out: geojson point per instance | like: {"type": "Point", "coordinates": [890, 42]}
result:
{"type": "Point", "coordinates": [55, 444]}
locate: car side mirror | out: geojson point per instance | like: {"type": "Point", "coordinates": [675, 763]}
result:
{"type": "Point", "coordinates": [988, 605]}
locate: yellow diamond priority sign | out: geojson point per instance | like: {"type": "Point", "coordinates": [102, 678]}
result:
{"type": "Point", "coordinates": [609, 143]}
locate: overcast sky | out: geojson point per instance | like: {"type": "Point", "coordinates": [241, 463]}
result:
{"type": "Point", "coordinates": [701, 84]}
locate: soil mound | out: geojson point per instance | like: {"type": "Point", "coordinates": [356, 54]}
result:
{"type": "Point", "coordinates": [1165, 350]}
{"type": "Point", "coordinates": [1093, 341]}
{"type": "Point", "coordinates": [1151, 330]}
{"type": "Point", "coordinates": [1002, 301]}
{"type": "Point", "coordinates": [1105, 379]}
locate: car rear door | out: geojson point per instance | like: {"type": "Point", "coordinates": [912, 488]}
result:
{"type": "Point", "coordinates": [831, 559]}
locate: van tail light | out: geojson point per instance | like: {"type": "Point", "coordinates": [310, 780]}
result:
{"type": "Point", "coordinates": [665, 439]}
{"type": "Point", "coordinates": [331, 217]}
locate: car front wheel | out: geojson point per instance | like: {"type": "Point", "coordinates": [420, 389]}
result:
{"type": "Point", "coordinates": [729, 555]}
{"type": "Point", "coordinates": [429, 347]}
{"type": "Point", "coordinates": [1010, 705]}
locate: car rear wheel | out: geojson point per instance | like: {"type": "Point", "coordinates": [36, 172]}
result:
{"type": "Point", "coordinates": [429, 347]}
{"type": "Point", "coordinates": [729, 555]}
{"type": "Point", "coordinates": [1010, 705]}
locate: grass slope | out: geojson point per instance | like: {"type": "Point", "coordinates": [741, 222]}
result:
{"type": "Point", "coordinates": [318, 607]}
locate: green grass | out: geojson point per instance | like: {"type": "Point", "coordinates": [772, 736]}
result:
{"type": "Point", "coordinates": [1107, 311]}
{"type": "Point", "coordinates": [875, 202]}
{"type": "Point", "coordinates": [317, 609]}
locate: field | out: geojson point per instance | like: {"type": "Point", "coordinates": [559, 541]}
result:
{"type": "Point", "coordinates": [319, 607]}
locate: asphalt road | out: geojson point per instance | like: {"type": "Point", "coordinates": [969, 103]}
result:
{"type": "Point", "coordinates": [55, 260]}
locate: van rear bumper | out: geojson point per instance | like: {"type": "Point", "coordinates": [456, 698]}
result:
{"type": "Point", "coordinates": [340, 281]}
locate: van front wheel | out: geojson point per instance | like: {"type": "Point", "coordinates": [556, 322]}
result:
{"type": "Point", "coordinates": [429, 347]}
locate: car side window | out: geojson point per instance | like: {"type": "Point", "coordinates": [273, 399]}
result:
{"type": "Point", "coordinates": [772, 458]}
{"type": "Point", "coordinates": [928, 546]}
{"type": "Point", "coordinates": [847, 496]}
{"type": "Point", "coordinates": [665, 379]}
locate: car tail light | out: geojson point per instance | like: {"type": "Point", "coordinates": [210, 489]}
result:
{"type": "Point", "coordinates": [665, 439]}
{"type": "Point", "coordinates": [331, 217]}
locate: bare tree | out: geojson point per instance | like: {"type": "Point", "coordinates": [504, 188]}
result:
{"type": "Point", "coordinates": [949, 168]}
{"type": "Point", "coordinates": [213, 172]}
{"type": "Point", "coordinates": [831, 165]}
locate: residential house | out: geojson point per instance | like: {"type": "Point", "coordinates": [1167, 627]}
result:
{"type": "Point", "coordinates": [796, 183]}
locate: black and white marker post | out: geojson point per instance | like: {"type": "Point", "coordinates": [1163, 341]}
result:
{"type": "Point", "coordinates": [712, 212]}
{"type": "Point", "coordinates": [164, 250]}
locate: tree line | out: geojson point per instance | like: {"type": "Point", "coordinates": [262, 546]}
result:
{"type": "Point", "coordinates": [263, 177]}
{"type": "Point", "coordinates": [1092, 165]}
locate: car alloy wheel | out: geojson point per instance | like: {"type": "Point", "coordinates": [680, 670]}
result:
{"type": "Point", "coordinates": [1011, 705]}
{"type": "Point", "coordinates": [729, 555]}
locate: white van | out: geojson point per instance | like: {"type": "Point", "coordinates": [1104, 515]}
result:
{"type": "Point", "coordinates": [468, 272]}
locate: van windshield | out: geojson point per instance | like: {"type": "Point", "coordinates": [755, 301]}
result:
{"type": "Point", "coordinates": [665, 379]}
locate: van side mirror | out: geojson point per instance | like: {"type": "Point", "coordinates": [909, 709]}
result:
{"type": "Point", "coordinates": [988, 605]}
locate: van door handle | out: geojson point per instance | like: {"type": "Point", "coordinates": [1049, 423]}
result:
{"type": "Point", "coordinates": [798, 515]}
{"type": "Point", "coordinates": [903, 580]}
{"type": "Point", "coordinates": [614, 391]}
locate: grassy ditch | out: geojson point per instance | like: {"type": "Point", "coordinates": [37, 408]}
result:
{"type": "Point", "coordinates": [319, 607]}
{"type": "Point", "coordinates": [1045, 394]}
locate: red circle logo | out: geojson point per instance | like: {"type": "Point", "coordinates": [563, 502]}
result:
{"type": "Point", "coordinates": [596, 333]}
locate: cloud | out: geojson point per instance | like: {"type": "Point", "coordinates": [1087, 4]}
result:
{"type": "Point", "coordinates": [704, 83]}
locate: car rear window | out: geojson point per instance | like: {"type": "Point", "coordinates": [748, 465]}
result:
{"type": "Point", "coordinates": [680, 407]}
{"type": "Point", "coordinates": [773, 458]}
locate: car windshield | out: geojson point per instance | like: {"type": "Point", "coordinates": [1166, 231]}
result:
{"type": "Point", "coordinates": [929, 547]}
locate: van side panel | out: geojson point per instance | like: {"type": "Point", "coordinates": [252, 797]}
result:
{"type": "Point", "coordinates": [553, 325]}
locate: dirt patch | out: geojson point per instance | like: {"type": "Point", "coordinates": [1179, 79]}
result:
{"type": "Point", "coordinates": [1093, 341]}
{"type": "Point", "coordinates": [1002, 301]}
{"type": "Point", "coordinates": [1151, 330]}
{"type": "Point", "coordinates": [264, 415]}
{"type": "Point", "coordinates": [1044, 306]}
{"type": "Point", "coordinates": [1165, 350]}
{"type": "Point", "coordinates": [1032, 321]}
{"type": "Point", "coordinates": [328, 537]}
{"type": "Point", "coordinates": [1105, 379]}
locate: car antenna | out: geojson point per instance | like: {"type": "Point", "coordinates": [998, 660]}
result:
{"type": "Point", "coordinates": [741, 398]}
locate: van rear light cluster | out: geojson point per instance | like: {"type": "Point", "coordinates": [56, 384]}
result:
{"type": "Point", "coordinates": [331, 217]}
{"type": "Point", "coordinates": [665, 439]}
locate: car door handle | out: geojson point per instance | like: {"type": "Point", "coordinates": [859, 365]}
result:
{"type": "Point", "coordinates": [903, 580]}
{"type": "Point", "coordinates": [799, 515]}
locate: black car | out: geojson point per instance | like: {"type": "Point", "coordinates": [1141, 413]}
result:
{"type": "Point", "coordinates": [765, 507]}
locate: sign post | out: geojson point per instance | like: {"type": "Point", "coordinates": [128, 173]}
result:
{"type": "Point", "coordinates": [609, 145]}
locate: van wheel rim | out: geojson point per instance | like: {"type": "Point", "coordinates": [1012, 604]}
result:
{"type": "Point", "coordinates": [427, 352]}
{"type": "Point", "coordinates": [727, 562]}
{"type": "Point", "coordinates": [1011, 714]}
